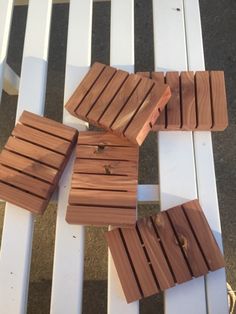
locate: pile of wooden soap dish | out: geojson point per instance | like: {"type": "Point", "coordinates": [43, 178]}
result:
{"type": "Point", "coordinates": [151, 254]}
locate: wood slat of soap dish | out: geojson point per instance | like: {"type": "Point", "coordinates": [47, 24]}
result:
{"type": "Point", "coordinates": [104, 182]}
{"type": "Point", "coordinates": [198, 101]}
{"type": "Point", "coordinates": [33, 160]}
{"type": "Point", "coordinates": [126, 104]}
{"type": "Point", "coordinates": [163, 250]}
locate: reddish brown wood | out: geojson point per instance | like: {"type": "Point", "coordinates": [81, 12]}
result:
{"type": "Point", "coordinates": [146, 109]}
{"type": "Point", "coordinates": [209, 247]}
{"type": "Point", "coordinates": [219, 102]}
{"type": "Point", "coordinates": [85, 215]}
{"type": "Point", "coordinates": [204, 113]}
{"type": "Point", "coordinates": [198, 101]}
{"type": "Point", "coordinates": [47, 125]}
{"type": "Point", "coordinates": [104, 181]}
{"type": "Point", "coordinates": [173, 251]}
{"type": "Point", "coordinates": [28, 166]}
{"type": "Point", "coordinates": [91, 98]}
{"type": "Point", "coordinates": [135, 101]}
{"type": "Point", "coordinates": [158, 261]}
{"type": "Point", "coordinates": [106, 98]}
{"type": "Point", "coordinates": [33, 160]}
{"type": "Point", "coordinates": [35, 152]}
{"type": "Point", "coordinates": [124, 268]}
{"type": "Point", "coordinates": [174, 106]}
{"type": "Point", "coordinates": [101, 138]}
{"type": "Point", "coordinates": [40, 138]}
{"type": "Point", "coordinates": [102, 151]}
{"type": "Point", "coordinates": [163, 250]}
{"type": "Point", "coordinates": [116, 101]}
{"type": "Point", "coordinates": [189, 116]}
{"type": "Point", "coordinates": [187, 241]}
{"type": "Point", "coordinates": [140, 263]}
{"type": "Point", "coordinates": [104, 166]}
{"type": "Point", "coordinates": [160, 79]}
{"type": "Point", "coordinates": [84, 87]}
{"type": "Point", "coordinates": [119, 101]}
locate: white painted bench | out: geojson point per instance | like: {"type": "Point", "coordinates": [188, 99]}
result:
{"type": "Point", "coordinates": [185, 159]}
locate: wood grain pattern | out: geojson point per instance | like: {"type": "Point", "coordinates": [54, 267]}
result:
{"type": "Point", "coordinates": [104, 181]}
{"type": "Point", "coordinates": [173, 250]}
{"type": "Point", "coordinates": [160, 79]}
{"type": "Point", "coordinates": [33, 160]}
{"type": "Point", "coordinates": [123, 266]}
{"type": "Point", "coordinates": [189, 115]}
{"type": "Point", "coordinates": [90, 99]}
{"type": "Point", "coordinates": [174, 106]}
{"type": "Point", "coordinates": [158, 261]}
{"type": "Point", "coordinates": [28, 166]}
{"type": "Point", "coordinates": [115, 100]}
{"type": "Point", "coordinates": [47, 125]}
{"type": "Point", "coordinates": [135, 101]}
{"type": "Point", "coordinates": [197, 218]}
{"type": "Point", "coordinates": [168, 248]}
{"type": "Point", "coordinates": [106, 152]}
{"type": "Point", "coordinates": [84, 87]}
{"type": "Point", "coordinates": [104, 166]}
{"type": "Point", "coordinates": [198, 101]}
{"type": "Point", "coordinates": [188, 242]}
{"type": "Point", "coordinates": [41, 139]}
{"type": "Point", "coordinates": [106, 98]}
{"type": "Point", "coordinates": [148, 108]}
{"type": "Point", "coordinates": [140, 263]}
{"type": "Point", "coordinates": [204, 114]}
{"type": "Point", "coordinates": [219, 102]}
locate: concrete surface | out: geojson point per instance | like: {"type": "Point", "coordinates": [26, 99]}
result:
{"type": "Point", "coordinates": [219, 28]}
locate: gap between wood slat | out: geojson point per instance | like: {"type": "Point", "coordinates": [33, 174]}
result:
{"type": "Point", "coordinates": [38, 145]}
{"type": "Point", "coordinates": [87, 92]}
{"type": "Point", "coordinates": [179, 244]}
{"type": "Point", "coordinates": [148, 258]}
{"type": "Point", "coordinates": [163, 250]}
{"type": "Point", "coordinates": [196, 238]}
{"type": "Point", "coordinates": [44, 131]}
{"type": "Point", "coordinates": [16, 153]}
{"type": "Point", "coordinates": [130, 261]}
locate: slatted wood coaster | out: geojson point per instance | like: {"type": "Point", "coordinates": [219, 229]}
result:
{"type": "Point", "coordinates": [33, 160]}
{"type": "Point", "coordinates": [198, 101]}
{"type": "Point", "coordinates": [123, 103]}
{"type": "Point", "coordinates": [104, 182]}
{"type": "Point", "coordinates": [164, 250]}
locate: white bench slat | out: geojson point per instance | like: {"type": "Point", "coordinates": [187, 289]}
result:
{"type": "Point", "coordinates": [148, 193]}
{"type": "Point", "coordinates": [122, 56]}
{"type": "Point", "coordinates": [15, 255]}
{"type": "Point", "coordinates": [217, 302]}
{"type": "Point", "coordinates": [11, 81]}
{"type": "Point", "coordinates": [67, 286]}
{"type": "Point", "coordinates": [6, 9]}
{"type": "Point", "coordinates": [176, 155]}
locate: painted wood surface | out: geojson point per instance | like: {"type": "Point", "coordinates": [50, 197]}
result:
{"type": "Point", "coordinates": [67, 282]}
{"type": "Point", "coordinates": [15, 255]}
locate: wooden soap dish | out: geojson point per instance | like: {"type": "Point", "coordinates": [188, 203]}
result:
{"type": "Point", "coordinates": [123, 103]}
{"type": "Point", "coordinates": [33, 160]}
{"type": "Point", "coordinates": [104, 182]}
{"type": "Point", "coordinates": [164, 250]}
{"type": "Point", "coordinates": [197, 103]}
